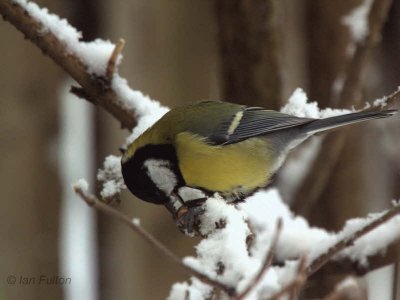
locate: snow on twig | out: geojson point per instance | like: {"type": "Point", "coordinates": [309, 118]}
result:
{"type": "Point", "coordinates": [80, 189]}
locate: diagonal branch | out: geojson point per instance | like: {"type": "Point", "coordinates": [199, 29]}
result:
{"type": "Point", "coordinates": [112, 63]}
{"type": "Point", "coordinates": [344, 265]}
{"type": "Point", "coordinates": [92, 201]}
{"type": "Point", "coordinates": [323, 259]}
{"type": "Point", "coordinates": [295, 284]}
{"type": "Point", "coordinates": [96, 89]}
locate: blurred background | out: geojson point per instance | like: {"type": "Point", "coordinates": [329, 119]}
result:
{"type": "Point", "coordinates": [252, 52]}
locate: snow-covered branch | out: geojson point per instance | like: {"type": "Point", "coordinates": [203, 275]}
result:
{"type": "Point", "coordinates": [345, 265]}
{"type": "Point", "coordinates": [226, 255]}
{"type": "Point", "coordinates": [81, 187]}
{"type": "Point", "coordinates": [225, 259]}
{"type": "Point", "coordinates": [349, 239]}
{"type": "Point", "coordinates": [91, 64]}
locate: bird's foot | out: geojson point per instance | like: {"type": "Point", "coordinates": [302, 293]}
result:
{"type": "Point", "coordinates": [188, 219]}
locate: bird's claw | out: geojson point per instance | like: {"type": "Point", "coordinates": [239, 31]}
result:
{"type": "Point", "coordinates": [188, 219]}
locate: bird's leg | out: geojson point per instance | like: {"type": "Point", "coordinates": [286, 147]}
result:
{"type": "Point", "coordinates": [186, 213]}
{"type": "Point", "coordinates": [188, 216]}
{"type": "Point", "coordinates": [172, 207]}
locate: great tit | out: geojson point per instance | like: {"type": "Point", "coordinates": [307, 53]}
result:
{"type": "Point", "coordinates": [199, 149]}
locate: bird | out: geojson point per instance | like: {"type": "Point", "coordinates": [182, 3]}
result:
{"type": "Point", "coordinates": [208, 147]}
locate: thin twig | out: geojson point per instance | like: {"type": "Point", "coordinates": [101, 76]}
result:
{"type": "Point", "coordinates": [293, 285]}
{"type": "Point", "coordinates": [267, 262]}
{"type": "Point", "coordinates": [391, 101]}
{"type": "Point", "coordinates": [112, 63]}
{"type": "Point", "coordinates": [96, 89]}
{"type": "Point", "coordinates": [321, 260]}
{"type": "Point", "coordinates": [301, 269]}
{"type": "Point", "coordinates": [344, 265]}
{"type": "Point", "coordinates": [92, 200]}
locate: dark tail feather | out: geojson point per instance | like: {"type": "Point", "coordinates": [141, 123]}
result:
{"type": "Point", "coordinates": [333, 122]}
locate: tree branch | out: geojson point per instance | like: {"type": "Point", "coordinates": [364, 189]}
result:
{"type": "Point", "coordinates": [112, 63]}
{"type": "Point", "coordinates": [92, 201]}
{"type": "Point", "coordinates": [345, 265]}
{"type": "Point", "coordinates": [295, 284]}
{"type": "Point", "coordinates": [321, 260]}
{"type": "Point", "coordinates": [96, 89]}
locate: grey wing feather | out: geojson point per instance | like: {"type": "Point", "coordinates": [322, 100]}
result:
{"type": "Point", "coordinates": [255, 121]}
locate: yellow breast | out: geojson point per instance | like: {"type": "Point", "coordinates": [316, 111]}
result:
{"type": "Point", "coordinates": [242, 167]}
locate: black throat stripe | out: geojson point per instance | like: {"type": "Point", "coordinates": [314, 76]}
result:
{"type": "Point", "coordinates": [137, 179]}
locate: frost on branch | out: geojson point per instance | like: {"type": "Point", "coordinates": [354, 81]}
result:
{"type": "Point", "coordinates": [95, 54]}
{"type": "Point", "coordinates": [227, 255]}
{"type": "Point", "coordinates": [299, 106]}
{"type": "Point", "coordinates": [81, 184]}
{"type": "Point", "coordinates": [111, 177]}
{"type": "Point", "coordinates": [373, 243]}
{"type": "Point", "coordinates": [147, 110]}
{"type": "Point", "coordinates": [94, 65]}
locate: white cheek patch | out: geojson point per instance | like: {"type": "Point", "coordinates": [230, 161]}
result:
{"type": "Point", "coordinates": [188, 194]}
{"type": "Point", "coordinates": [159, 171]}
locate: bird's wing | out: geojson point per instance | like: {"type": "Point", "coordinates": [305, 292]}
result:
{"type": "Point", "coordinates": [251, 122]}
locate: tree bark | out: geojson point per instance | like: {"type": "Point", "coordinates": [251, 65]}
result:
{"type": "Point", "coordinates": [250, 52]}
